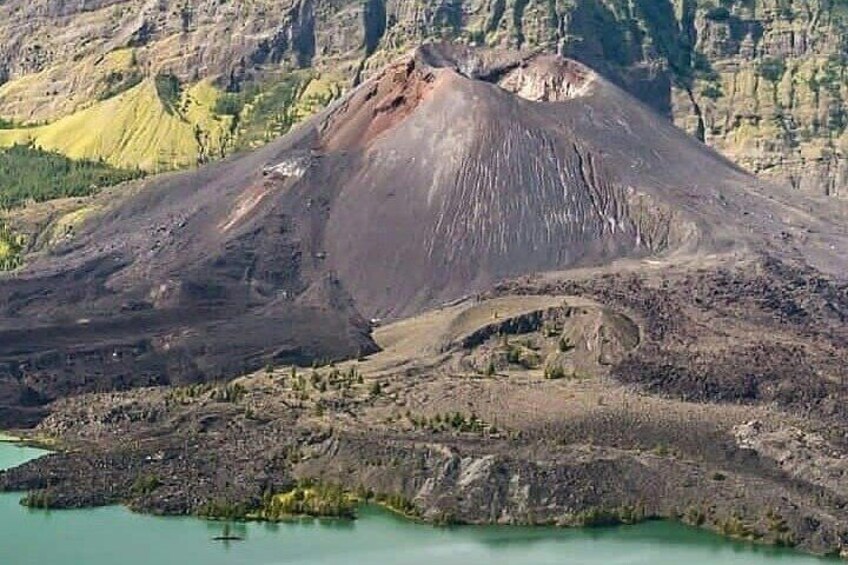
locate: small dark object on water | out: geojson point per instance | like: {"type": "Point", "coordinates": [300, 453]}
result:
{"type": "Point", "coordinates": [227, 536]}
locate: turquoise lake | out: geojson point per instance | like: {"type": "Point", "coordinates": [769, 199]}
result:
{"type": "Point", "coordinates": [115, 536]}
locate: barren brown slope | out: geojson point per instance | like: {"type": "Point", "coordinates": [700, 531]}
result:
{"type": "Point", "coordinates": [450, 170]}
{"type": "Point", "coordinates": [469, 167]}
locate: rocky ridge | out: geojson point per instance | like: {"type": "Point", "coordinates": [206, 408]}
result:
{"type": "Point", "coordinates": [763, 82]}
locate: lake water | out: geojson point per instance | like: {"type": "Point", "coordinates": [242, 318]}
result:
{"type": "Point", "coordinates": [115, 536]}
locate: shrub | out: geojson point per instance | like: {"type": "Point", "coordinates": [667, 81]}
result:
{"type": "Point", "coordinates": [712, 91]}
{"type": "Point", "coordinates": [771, 69]}
{"type": "Point", "coordinates": [145, 484]}
{"type": "Point", "coordinates": [397, 503]}
{"type": "Point", "coordinates": [600, 517]}
{"type": "Point", "coordinates": [37, 499]}
{"type": "Point", "coordinates": [736, 528]}
{"type": "Point", "coordinates": [554, 372]}
{"type": "Point", "coordinates": [694, 516]}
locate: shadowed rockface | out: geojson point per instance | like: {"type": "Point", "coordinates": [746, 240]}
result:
{"type": "Point", "coordinates": [447, 172]}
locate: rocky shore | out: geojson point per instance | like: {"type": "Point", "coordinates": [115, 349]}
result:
{"type": "Point", "coordinates": [455, 423]}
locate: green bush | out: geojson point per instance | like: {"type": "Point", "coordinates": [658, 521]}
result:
{"type": "Point", "coordinates": [37, 499]}
{"type": "Point", "coordinates": [145, 484]}
{"type": "Point", "coordinates": [771, 69]}
{"type": "Point", "coordinates": [602, 517]}
{"type": "Point", "coordinates": [117, 82]}
{"type": "Point", "coordinates": [554, 372]}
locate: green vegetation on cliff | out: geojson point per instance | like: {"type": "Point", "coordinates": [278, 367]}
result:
{"type": "Point", "coordinates": [264, 111]}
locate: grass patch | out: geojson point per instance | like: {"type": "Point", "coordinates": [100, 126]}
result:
{"type": "Point", "coordinates": [145, 127]}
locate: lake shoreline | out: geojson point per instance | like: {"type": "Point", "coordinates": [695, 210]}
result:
{"type": "Point", "coordinates": [603, 520]}
{"type": "Point", "coordinates": [367, 512]}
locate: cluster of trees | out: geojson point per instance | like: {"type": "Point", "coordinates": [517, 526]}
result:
{"type": "Point", "coordinates": [311, 499]}
{"type": "Point", "coordinates": [232, 393]}
{"type": "Point", "coordinates": [456, 421]}
{"type": "Point", "coordinates": [335, 379]}
{"type": "Point", "coordinates": [170, 91]}
{"type": "Point", "coordinates": [187, 394]}
{"type": "Point", "coordinates": [324, 500]}
{"type": "Point", "coordinates": [223, 510]}
{"type": "Point", "coordinates": [117, 82]}
{"type": "Point", "coordinates": [262, 112]}
{"type": "Point", "coordinates": [29, 173]}
{"type": "Point", "coordinates": [270, 110]}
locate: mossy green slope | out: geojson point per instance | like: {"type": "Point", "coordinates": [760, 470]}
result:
{"type": "Point", "coordinates": [148, 129]}
{"type": "Point", "coordinates": [136, 129]}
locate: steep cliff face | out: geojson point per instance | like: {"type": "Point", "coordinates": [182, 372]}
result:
{"type": "Point", "coordinates": [770, 89]}
{"type": "Point", "coordinates": [763, 81]}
